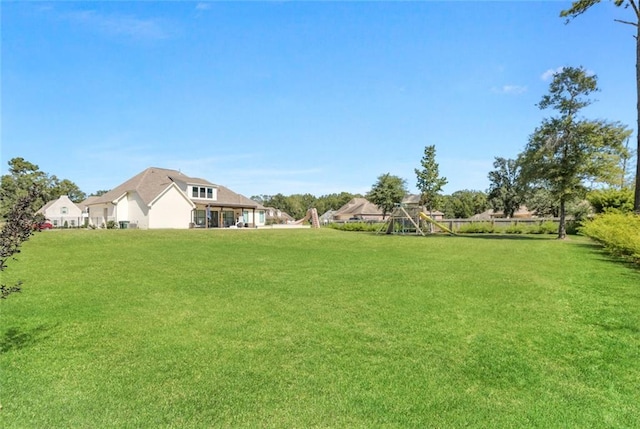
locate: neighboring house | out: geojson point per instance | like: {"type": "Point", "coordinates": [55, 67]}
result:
{"type": "Point", "coordinates": [277, 216]}
{"type": "Point", "coordinates": [327, 217]}
{"type": "Point", "coordinates": [60, 211]}
{"type": "Point", "coordinates": [358, 208]}
{"type": "Point", "coordinates": [162, 198]}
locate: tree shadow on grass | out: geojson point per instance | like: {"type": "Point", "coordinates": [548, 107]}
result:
{"type": "Point", "coordinates": [528, 237]}
{"type": "Point", "coordinates": [599, 251]}
{"type": "Point", "coordinates": [15, 338]}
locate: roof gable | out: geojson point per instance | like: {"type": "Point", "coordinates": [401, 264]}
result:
{"type": "Point", "coordinates": [149, 184]}
{"type": "Point", "coordinates": [358, 206]}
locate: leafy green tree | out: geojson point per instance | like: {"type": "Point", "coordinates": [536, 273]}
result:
{"type": "Point", "coordinates": [505, 191]}
{"type": "Point", "coordinates": [68, 188]}
{"type": "Point", "coordinates": [102, 192]}
{"type": "Point", "coordinates": [565, 152]}
{"type": "Point", "coordinates": [464, 204]}
{"type": "Point", "coordinates": [543, 202]}
{"type": "Point", "coordinates": [22, 177]}
{"type": "Point", "coordinates": [387, 192]}
{"type": "Point", "coordinates": [581, 6]}
{"type": "Point", "coordinates": [429, 182]}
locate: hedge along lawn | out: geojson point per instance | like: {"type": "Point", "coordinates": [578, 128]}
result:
{"type": "Point", "coordinates": [317, 328]}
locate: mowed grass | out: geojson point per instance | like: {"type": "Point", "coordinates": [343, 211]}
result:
{"type": "Point", "coordinates": [317, 328]}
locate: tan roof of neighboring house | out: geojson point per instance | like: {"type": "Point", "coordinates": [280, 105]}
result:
{"type": "Point", "coordinates": [359, 206]}
{"type": "Point", "coordinates": [283, 215]}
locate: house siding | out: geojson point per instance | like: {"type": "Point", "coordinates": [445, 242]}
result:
{"type": "Point", "coordinates": [171, 211]}
{"type": "Point", "coordinates": [54, 212]}
{"type": "Point", "coordinates": [138, 211]}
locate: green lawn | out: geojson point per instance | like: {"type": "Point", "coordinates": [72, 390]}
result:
{"type": "Point", "coordinates": [317, 328]}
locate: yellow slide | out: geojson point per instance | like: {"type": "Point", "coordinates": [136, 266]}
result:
{"type": "Point", "coordinates": [424, 216]}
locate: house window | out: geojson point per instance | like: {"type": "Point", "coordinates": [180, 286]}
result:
{"type": "Point", "coordinates": [261, 215]}
{"type": "Point", "coordinates": [203, 193]}
{"type": "Point", "coordinates": [55, 222]}
{"type": "Point", "coordinates": [228, 218]}
{"type": "Point", "coordinates": [245, 216]}
{"type": "Point", "coordinates": [199, 217]}
{"type": "Point", "coordinates": [64, 210]}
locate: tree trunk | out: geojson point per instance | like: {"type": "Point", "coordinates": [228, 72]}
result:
{"type": "Point", "coordinates": [562, 229]}
{"type": "Point", "coordinates": [636, 201]}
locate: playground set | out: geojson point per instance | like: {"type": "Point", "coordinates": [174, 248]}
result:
{"type": "Point", "coordinates": [405, 219]}
{"type": "Point", "coordinates": [410, 219]}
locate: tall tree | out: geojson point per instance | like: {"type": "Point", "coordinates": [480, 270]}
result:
{"type": "Point", "coordinates": [464, 204]}
{"type": "Point", "coordinates": [23, 175]}
{"type": "Point", "coordinates": [387, 192]}
{"type": "Point", "coordinates": [505, 191]}
{"type": "Point", "coordinates": [578, 8]}
{"type": "Point", "coordinates": [429, 182]}
{"type": "Point", "coordinates": [565, 151]}
{"type": "Point", "coordinates": [68, 188]}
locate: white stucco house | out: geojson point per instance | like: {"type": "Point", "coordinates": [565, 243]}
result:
{"type": "Point", "coordinates": [162, 198]}
{"type": "Point", "coordinates": [60, 211]}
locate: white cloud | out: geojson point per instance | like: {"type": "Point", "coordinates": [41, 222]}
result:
{"type": "Point", "coordinates": [510, 89]}
{"type": "Point", "coordinates": [120, 25]}
{"type": "Point", "coordinates": [548, 75]}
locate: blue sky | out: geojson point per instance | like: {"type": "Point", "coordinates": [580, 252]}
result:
{"type": "Point", "coordinates": [293, 97]}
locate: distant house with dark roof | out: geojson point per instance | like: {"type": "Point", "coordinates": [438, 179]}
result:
{"type": "Point", "coordinates": [163, 198]}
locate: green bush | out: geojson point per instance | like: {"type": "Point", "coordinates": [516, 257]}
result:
{"type": "Point", "coordinates": [515, 229]}
{"type": "Point", "coordinates": [477, 228]}
{"type": "Point", "coordinates": [619, 233]}
{"type": "Point", "coordinates": [112, 224]}
{"type": "Point", "coordinates": [604, 200]}
{"type": "Point", "coordinates": [356, 226]}
{"type": "Point", "coordinates": [546, 227]}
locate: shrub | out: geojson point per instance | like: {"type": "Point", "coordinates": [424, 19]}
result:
{"type": "Point", "coordinates": [477, 228]}
{"type": "Point", "coordinates": [546, 227]}
{"type": "Point", "coordinates": [112, 224]}
{"type": "Point", "coordinates": [604, 200]}
{"type": "Point", "coordinates": [619, 233]}
{"type": "Point", "coordinates": [356, 226]}
{"type": "Point", "coordinates": [515, 229]}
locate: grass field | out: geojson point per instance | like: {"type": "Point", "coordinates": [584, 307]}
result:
{"type": "Point", "coordinates": [317, 328]}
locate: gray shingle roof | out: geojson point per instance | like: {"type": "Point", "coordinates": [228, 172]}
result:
{"type": "Point", "coordinates": [152, 181]}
